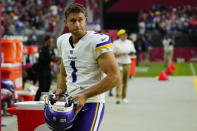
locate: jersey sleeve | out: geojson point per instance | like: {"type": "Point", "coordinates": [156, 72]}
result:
{"type": "Point", "coordinates": [114, 47]}
{"type": "Point", "coordinates": [103, 44]}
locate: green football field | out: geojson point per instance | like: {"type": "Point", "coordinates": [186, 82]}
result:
{"type": "Point", "coordinates": [154, 69]}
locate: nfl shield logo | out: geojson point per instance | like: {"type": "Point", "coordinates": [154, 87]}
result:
{"type": "Point", "coordinates": [71, 51]}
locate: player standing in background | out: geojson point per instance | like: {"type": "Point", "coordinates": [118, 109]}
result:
{"type": "Point", "coordinates": [85, 56]}
{"type": "Point", "coordinates": [168, 45]}
{"type": "Point", "coordinates": [123, 49]}
{"type": "Point", "coordinates": [147, 49]}
{"type": "Point", "coordinates": [46, 56]}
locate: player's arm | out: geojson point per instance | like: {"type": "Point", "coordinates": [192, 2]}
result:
{"type": "Point", "coordinates": [109, 66]}
{"type": "Point", "coordinates": [61, 84]}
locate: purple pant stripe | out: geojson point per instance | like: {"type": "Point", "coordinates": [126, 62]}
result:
{"type": "Point", "coordinates": [85, 118]}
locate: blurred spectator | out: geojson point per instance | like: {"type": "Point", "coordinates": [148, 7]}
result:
{"type": "Point", "coordinates": [141, 23]}
{"type": "Point", "coordinates": [193, 23]}
{"type": "Point", "coordinates": [173, 28]}
{"type": "Point", "coordinates": [156, 19]}
{"type": "Point", "coordinates": [184, 20]}
{"type": "Point", "coordinates": [163, 25]}
{"type": "Point", "coordinates": [147, 50]}
{"type": "Point", "coordinates": [19, 27]}
{"type": "Point", "coordinates": [138, 47]}
{"type": "Point", "coordinates": [22, 17]}
{"type": "Point", "coordinates": [168, 45]}
{"type": "Point", "coordinates": [149, 21]}
{"type": "Point", "coordinates": [168, 20]}
{"type": "Point", "coordinates": [46, 56]}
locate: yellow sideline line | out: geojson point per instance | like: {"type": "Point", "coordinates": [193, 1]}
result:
{"type": "Point", "coordinates": [195, 83]}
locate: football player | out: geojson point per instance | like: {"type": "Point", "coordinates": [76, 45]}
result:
{"type": "Point", "coordinates": [86, 57]}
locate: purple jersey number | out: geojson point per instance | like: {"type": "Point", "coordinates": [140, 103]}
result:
{"type": "Point", "coordinates": [74, 76]}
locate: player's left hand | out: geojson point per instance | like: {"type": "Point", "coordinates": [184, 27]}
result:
{"type": "Point", "coordinates": [82, 100]}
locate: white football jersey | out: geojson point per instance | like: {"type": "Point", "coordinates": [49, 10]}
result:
{"type": "Point", "coordinates": [126, 46]}
{"type": "Point", "coordinates": [80, 61]}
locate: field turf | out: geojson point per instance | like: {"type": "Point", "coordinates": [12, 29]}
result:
{"type": "Point", "coordinates": [154, 69]}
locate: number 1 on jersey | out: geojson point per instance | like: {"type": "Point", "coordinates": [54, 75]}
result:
{"type": "Point", "coordinates": [74, 76]}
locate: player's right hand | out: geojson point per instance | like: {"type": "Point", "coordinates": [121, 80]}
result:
{"type": "Point", "coordinates": [81, 100]}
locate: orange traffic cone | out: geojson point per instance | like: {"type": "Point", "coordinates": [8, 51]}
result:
{"type": "Point", "coordinates": [172, 66]}
{"type": "Point", "coordinates": [169, 70]}
{"type": "Point", "coordinates": [163, 76]}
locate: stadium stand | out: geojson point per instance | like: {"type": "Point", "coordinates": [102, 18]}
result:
{"type": "Point", "coordinates": [31, 18]}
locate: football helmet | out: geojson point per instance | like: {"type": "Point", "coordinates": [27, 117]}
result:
{"type": "Point", "coordinates": [59, 112]}
{"type": "Point", "coordinates": [8, 85]}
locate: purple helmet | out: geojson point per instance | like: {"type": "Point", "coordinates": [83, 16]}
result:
{"type": "Point", "coordinates": [59, 115]}
{"type": "Point", "coordinates": [8, 84]}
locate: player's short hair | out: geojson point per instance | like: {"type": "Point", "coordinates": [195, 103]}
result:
{"type": "Point", "coordinates": [74, 8]}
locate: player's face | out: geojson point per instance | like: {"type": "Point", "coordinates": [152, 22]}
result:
{"type": "Point", "coordinates": [76, 23]}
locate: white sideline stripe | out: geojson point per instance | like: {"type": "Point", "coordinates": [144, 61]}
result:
{"type": "Point", "coordinates": [141, 69]}
{"type": "Point", "coordinates": [98, 116]}
{"type": "Point", "coordinates": [192, 69]}
{"type": "Point", "coordinates": [11, 65]}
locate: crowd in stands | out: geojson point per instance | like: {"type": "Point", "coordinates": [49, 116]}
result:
{"type": "Point", "coordinates": [171, 20]}
{"type": "Point", "coordinates": [31, 17]}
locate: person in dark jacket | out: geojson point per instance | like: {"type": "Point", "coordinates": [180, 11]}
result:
{"type": "Point", "coordinates": [46, 56]}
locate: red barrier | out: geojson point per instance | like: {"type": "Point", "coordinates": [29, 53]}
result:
{"type": "Point", "coordinates": [28, 120]}
{"type": "Point", "coordinates": [26, 97]}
